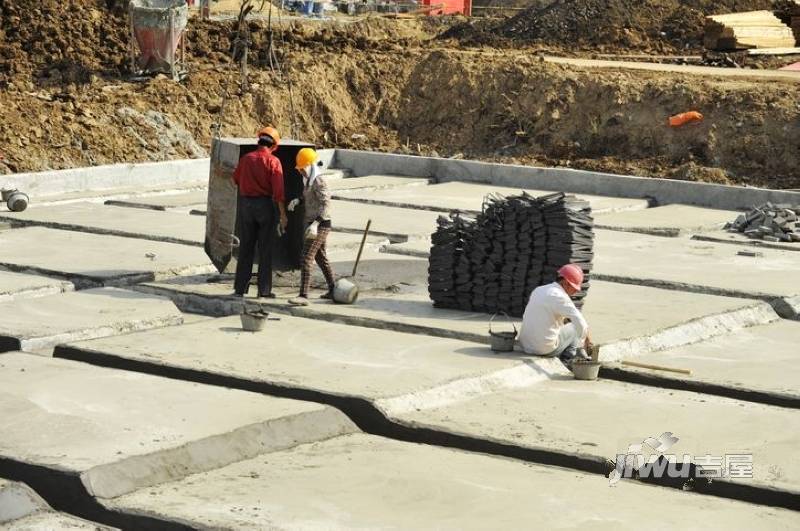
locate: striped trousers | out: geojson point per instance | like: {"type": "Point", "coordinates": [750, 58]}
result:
{"type": "Point", "coordinates": [315, 251]}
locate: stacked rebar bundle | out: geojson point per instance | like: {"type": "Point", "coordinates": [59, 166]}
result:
{"type": "Point", "coordinates": [493, 262]}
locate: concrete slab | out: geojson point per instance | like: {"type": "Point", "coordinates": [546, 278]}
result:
{"type": "Point", "coordinates": [120, 431]}
{"type": "Point", "coordinates": [41, 323]}
{"type": "Point", "coordinates": [681, 263]}
{"type": "Point", "coordinates": [17, 500]}
{"type": "Point", "coordinates": [650, 320]}
{"type": "Point", "coordinates": [669, 220]}
{"type": "Point", "coordinates": [469, 197]}
{"type": "Point", "coordinates": [94, 195]}
{"type": "Point", "coordinates": [20, 286]}
{"type": "Point", "coordinates": [722, 236]}
{"type": "Point", "coordinates": [164, 201]}
{"type": "Point", "coordinates": [419, 248]}
{"type": "Point", "coordinates": [172, 227]}
{"type": "Point", "coordinates": [375, 182]}
{"type": "Point", "coordinates": [364, 482]}
{"type": "Point", "coordinates": [54, 521]}
{"type": "Point", "coordinates": [397, 223]}
{"type": "Point", "coordinates": [310, 354]}
{"type": "Point", "coordinates": [602, 418]}
{"type": "Point", "coordinates": [400, 223]}
{"type": "Point", "coordinates": [21, 509]}
{"type": "Point", "coordinates": [92, 260]}
{"type": "Point", "coordinates": [760, 359]}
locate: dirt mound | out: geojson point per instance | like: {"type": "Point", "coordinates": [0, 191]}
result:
{"type": "Point", "coordinates": [61, 40]}
{"type": "Point", "coordinates": [654, 25]}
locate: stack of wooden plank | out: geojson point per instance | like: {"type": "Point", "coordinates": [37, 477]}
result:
{"type": "Point", "coordinates": [753, 29]}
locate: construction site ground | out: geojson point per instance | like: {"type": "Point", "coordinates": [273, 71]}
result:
{"type": "Point", "coordinates": [145, 405]}
{"type": "Point", "coordinates": [131, 398]}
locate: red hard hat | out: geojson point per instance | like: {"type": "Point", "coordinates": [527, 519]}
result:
{"type": "Point", "coordinates": [573, 274]}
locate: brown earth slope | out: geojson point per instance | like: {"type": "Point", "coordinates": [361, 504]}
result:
{"type": "Point", "coordinates": [377, 84]}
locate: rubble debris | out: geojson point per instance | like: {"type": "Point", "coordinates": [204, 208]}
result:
{"type": "Point", "coordinates": [752, 29]}
{"type": "Point", "coordinates": [493, 262]}
{"type": "Point", "coordinates": [768, 222]}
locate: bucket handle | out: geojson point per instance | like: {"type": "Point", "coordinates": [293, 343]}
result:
{"type": "Point", "coordinates": [507, 319]}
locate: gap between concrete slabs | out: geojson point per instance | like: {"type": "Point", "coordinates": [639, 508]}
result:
{"type": "Point", "coordinates": [371, 418]}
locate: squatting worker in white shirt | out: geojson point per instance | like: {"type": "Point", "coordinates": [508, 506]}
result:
{"type": "Point", "coordinates": [545, 331]}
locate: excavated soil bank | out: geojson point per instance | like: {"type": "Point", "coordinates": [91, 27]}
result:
{"type": "Point", "coordinates": [375, 84]}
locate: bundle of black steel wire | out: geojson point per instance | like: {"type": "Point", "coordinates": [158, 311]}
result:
{"type": "Point", "coordinates": [493, 262]}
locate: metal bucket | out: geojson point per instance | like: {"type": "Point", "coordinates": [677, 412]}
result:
{"type": "Point", "coordinates": [16, 200]}
{"type": "Point", "coordinates": [502, 341]}
{"type": "Point", "coordinates": [585, 370]}
{"type": "Point", "coordinates": [345, 292]}
{"type": "Point", "coordinates": [254, 320]}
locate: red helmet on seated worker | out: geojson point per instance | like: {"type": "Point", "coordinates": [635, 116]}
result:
{"type": "Point", "coordinates": [271, 135]}
{"type": "Point", "coordinates": [573, 274]}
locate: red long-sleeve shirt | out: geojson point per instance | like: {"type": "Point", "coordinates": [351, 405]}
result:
{"type": "Point", "coordinates": [258, 174]}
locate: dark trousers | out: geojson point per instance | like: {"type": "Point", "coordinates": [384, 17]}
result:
{"type": "Point", "coordinates": [257, 224]}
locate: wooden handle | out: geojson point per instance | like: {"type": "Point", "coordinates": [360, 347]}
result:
{"type": "Point", "coordinates": [655, 367]}
{"type": "Point", "coordinates": [361, 247]}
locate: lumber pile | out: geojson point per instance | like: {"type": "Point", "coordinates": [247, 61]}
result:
{"type": "Point", "coordinates": [753, 29]}
{"type": "Point", "coordinates": [493, 262]}
{"type": "Point", "coordinates": [769, 222]}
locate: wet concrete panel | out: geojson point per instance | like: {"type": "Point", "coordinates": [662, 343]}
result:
{"type": "Point", "coordinates": [365, 482]}
{"type": "Point", "coordinates": [40, 323]}
{"type": "Point", "coordinates": [121, 430]}
{"type": "Point", "coordinates": [97, 259]}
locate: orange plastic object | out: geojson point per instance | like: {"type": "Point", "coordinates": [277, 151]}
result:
{"type": "Point", "coordinates": [685, 118]}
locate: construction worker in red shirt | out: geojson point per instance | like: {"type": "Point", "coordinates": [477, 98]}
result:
{"type": "Point", "coordinates": [261, 200]}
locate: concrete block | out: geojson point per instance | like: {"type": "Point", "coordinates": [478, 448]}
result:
{"type": "Point", "coordinates": [20, 286]}
{"type": "Point", "coordinates": [172, 227]}
{"type": "Point", "coordinates": [365, 482]}
{"type": "Point", "coordinates": [469, 197]}
{"type": "Point", "coordinates": [664, 191]}
{"type": "Point", "coordinates": [311, 354]}
{"type": "Point", "coordinates": [693, 265]}
{"type": "Point", "coordinates": [41, 323]}
{"type": "Point", "coordinates": [21, 509]}
{"type": "Point", "coordinates": [670, 220]}
{"type": "Point", "coordinates": [375, 182]}
{"type": "Point", "coordinates": [651, 319]}
{"type": "Point", "coordinates": [50, 183]}
{"type": "Point", "coordinates": [120, 431]}
{"type": "Point", "coordinates": [17, 500]}
{"type": "Point", "coordinates": [602, 418]}
{"type": "Point", "coordinates": [760, 359]}
{"type": "Point", "coordinates": [392, 221]}
{"type": "Point", "coordinates": [92, 260]}
{"type": "Point", "coordinates": [164, 201]}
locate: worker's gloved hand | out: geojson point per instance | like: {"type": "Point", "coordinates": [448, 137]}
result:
{"type": "Point", "coordinates": [280, 230]}
{"type": "Point", "coordinates": [292, 204]}
{"type": "Point", "coordinates": [311, 231]}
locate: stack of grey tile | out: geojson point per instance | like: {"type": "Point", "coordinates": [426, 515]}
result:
{"type": "Point", "coordinates": [492, 263]}
{"type": "Point", "coordinates": [769, 222]}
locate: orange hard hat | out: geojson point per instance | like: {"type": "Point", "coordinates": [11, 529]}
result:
{"type": "Point", "coordinates": [270, 132]}
{"type": "Point", "coordinates": [573, 274]}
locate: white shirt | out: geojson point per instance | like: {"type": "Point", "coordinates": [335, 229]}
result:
{"type": "Point", "coordinates": [544, 316]}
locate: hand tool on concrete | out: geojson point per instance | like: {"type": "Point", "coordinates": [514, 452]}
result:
{"type": "Point", "coordinates": [655, 367]}
{"type": "Point", "coordinates": [345, 291]}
